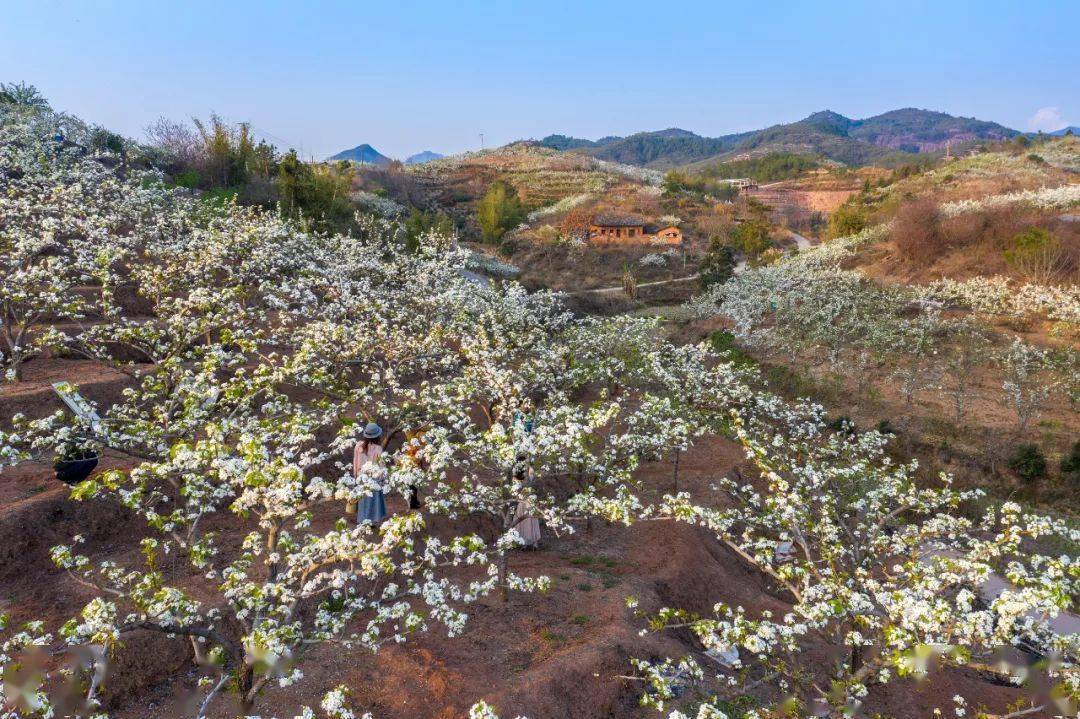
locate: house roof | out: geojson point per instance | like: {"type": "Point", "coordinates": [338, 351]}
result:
{"type": "Point", "coordinates": [657, 227]}
{"type": "Point", "coordinates": [613, 220]}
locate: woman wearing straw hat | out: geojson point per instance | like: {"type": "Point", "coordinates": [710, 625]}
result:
{"type": "Point", "coordinates": [366, 461]}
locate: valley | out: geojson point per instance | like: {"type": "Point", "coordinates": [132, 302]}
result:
{"type": "Point", "coordinates": [794, 412]}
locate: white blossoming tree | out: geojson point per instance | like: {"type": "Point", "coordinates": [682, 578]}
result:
{"type": "Point", "coordinates": [882, 572]}
{"type": "Point", "coordinates": [1029, 380]}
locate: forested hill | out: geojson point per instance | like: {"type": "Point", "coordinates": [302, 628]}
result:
{"type": "Point", "coordinates": [825, 133]}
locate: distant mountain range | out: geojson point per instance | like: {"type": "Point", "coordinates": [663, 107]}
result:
{"type": "Point", "coordinates": [422, 157]}
{"type": "Point", "coordinates": [367, 155]}
{"type": "Point", "coordinates": [826, 133]}
{"type": "Point", "coordinates": [1065, 131]}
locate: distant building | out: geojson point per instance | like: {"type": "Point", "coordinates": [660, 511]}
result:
{"type": "Point", "coordinates": [742, 183]}
{"type": "Point", "coordinates": [612, 228]}
{"type": "Point", "coordinates": [669, 235]}
{"type": "Point", "coordinates": [632, 228]}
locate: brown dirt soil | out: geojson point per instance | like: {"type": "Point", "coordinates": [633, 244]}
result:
{"type": "Point", "coordinates": [976, 451]}
{"type": "Point", "coordinates": [970, 245]}
{"type": "Point", "coordinates": [561, 267]}
{"type": "Point", "coordinates": [822, 200]}
{"type": "Point", "coordinates": [546, 656]}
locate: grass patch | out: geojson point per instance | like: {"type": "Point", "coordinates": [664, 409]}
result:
{"type": "Point", "coordinates": [585, 587]}
{"type": "Point", "coordinates": [580, 619]}
{"type": "Point", "coordinates": [793, 383]}
{"type": "Point", "coordinates": [723, 341]}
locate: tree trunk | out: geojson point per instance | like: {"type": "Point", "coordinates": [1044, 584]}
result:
{"type": "Point", "coordinates": [504, 591]}
{"type": "Point", "coordinates": [245, 680]}
{"type": "Point", "coordinates": [675, 477]}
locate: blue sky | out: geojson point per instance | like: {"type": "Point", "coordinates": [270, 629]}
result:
{"type": "Point", "coordinates": [407, 76]}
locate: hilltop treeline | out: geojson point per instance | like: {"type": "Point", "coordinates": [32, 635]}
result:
{"type": "Point", "coordinates": [773, 167]}
{"type": "Point", "coordinates": [226, 161]}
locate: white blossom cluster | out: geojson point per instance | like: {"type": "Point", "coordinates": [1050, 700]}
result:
{"type": "Point", "coordinates": [999, 296]}
{"type": "Point", "coordinates": [493, 266]}
{"type": "Point", "coordinates": [382, 206]}
{"type": "Point", "coordinates": [653, 178]}
{"type": "Point", "coordinates": [256, 352]}
{"type": "Point", "coordinates": [1046, 198]}
{"type": "Point", "coordinates": [654, 259]}
{"type": "Point", "coordinates": [878, 566]}
{"type": "Point", "coordinates": [564, 205]}
{"type": "Point", "coordinates": [808, 306]}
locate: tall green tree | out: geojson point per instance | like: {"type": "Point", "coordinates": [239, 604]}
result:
{"type": "Point", "coordinates": [499, 210]}
{"type": "Point", "coordinates": [752, 237]}
{"type": "Point", "coordinates": [315, 193]}
{"type": "Point", "coordinates": [21, 94]}
{"type": "Point", "coordinates": [718, 264]}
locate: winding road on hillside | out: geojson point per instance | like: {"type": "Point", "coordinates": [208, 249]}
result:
{"type": "Point", "coordinates": [801, 242]}
{"type": "Point", "coordinates": [619, 288]}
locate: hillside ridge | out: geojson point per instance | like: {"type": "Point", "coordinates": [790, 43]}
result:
{"type": "Point", "coordinates": [826, 133]}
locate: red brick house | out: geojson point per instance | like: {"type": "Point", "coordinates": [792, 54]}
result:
{"type": "Point", "coordinates": [610, 227]}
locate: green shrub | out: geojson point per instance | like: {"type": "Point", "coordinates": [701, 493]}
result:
{"type": "Point", "coordinates": [189, 179]}
{"type": "Point", "coordinates": [718, 264]}
{"type": "Point", "coordinates": [1037, 255]}
{"type": "Point", "coordinates": [102, 139]}
{"type": "Point", "coordinates": [752, 237]}
{"type": "Point", "coordinates": [724, 341]}
{"type": "Point", "coordinates": [848, 219]}
{"type": "Point", "coordinates": [1070, 464]}
{"type": "Point", "coordinates": [1028, 463]}
{"type": "Point", "coordinates": [420, 223]}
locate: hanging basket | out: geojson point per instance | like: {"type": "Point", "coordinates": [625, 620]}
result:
{"type": "Point", "coordinates": [73, 471]}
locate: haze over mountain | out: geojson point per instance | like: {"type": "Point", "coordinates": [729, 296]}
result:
{"type": "Point", "coordinates": [364, 154]}
{"type": "Point", "coordinates": [422, 157]}
{"type": "Point", "coordinates": [825, 133]}
{"type": "Point", "coordinates": [1074, 129]}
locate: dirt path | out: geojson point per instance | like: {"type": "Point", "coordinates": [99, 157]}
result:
{"type": "Point", "coordinates": [619, 288]}
{"type": "Point", "coordinates": [801, 242]}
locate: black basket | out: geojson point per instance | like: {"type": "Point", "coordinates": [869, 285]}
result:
{"type": "Point", "coordinates": [73, 471]}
